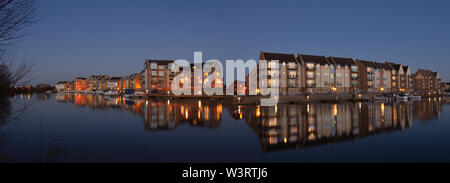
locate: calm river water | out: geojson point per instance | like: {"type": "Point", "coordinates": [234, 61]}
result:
{"type": "Point", "coordinates": [92, 128]}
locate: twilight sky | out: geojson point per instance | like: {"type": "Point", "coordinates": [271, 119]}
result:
{"type": "Point", "coordinates": [84, 37]}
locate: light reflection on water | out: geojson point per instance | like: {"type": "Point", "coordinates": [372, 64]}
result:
{"type": "Point", "coordinates": [280, 130]}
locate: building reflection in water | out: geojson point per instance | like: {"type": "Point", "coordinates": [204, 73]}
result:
{"type": "Point", "coordinates": [291, 125]}
{"type": "Point", "coordinates": [281, 127]}
{"type": "Point", "coordinates": [156, 114]}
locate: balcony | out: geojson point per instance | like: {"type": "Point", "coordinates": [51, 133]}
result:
{"type": "Point", "coordinates": [310, 68]}
{"type": "Point", "coordinates": [311, 85]}
{"type": "Point", "coordinates": [292, 77]}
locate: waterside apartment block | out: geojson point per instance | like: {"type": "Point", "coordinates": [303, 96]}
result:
{"type": "Point", "coordinates": [299, 74]}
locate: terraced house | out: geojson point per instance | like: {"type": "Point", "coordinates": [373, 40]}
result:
{"type": "Point", "coordinates": [346, 75]}
{"type": "Point", "coordinates": [385, 77]}
{"type": "Point", "coordinates": [319, 75]}
{"type": "Point", "coordinates": [113, 83]}
{"type": "Point", "coordinates": [94, 82]}
{"type": "Point", "coordinates": [81, 84]}
{"type": "Point", "coordinates": [368, 71]}
{"type": "Point", "coordinates": [290, 72]}
{"type": "Point", "coordinates": [426, 82]}
{"type": "Point", "coordinates": [135, 81]}
{"type": "Point", "coordinates": [402, 78]}
{"type": "Point", "coordinates": [407, 80]}
{"type": "Point", "coordinates": [397, 73]}
{"type": "Point", "coordinates": [62, 86]}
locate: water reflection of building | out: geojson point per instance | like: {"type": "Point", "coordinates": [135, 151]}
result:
{"type": "Point", "coordinates": [164, 114]}
{"type": "Point", "coordinates": [157, 114]}
{"type": "Point", "coordinates": [292, 125]}
{"type": "Point", "coordinates": [428, 108]}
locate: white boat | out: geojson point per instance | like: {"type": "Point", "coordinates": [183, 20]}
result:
{"type": "Point", "coordinates": [401, 98]}
{"type": "Point", "coordinates": [139, 93]}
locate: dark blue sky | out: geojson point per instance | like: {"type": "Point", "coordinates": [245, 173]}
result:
{"type": "Point", "coordinates": [79, 38]}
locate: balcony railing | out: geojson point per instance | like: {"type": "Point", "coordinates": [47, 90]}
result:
{"type": "Point", "coordinates": [310, 68]}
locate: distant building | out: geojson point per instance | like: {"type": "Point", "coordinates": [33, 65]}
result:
{"type": "Point", "coordinates": [62, 86]}
{"type": "Point", "coordinates": [426, 82]}
{"type": "Point", "coordinates": [81, 84]}
{"type": "Point", "coordinates": [43, 86]}
{"type": "Point", "coordinates": [94, 82]}
{"type": "Point", "coordinates": [445, 87]}
{"type": "Point", "coordinates": [135, 81]}
{"type": "Point", "coordinates": [113, 83]}
{"type": "Point", "coordinates": [72, 86]}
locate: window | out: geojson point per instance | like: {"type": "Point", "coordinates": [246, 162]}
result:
{"type": "Point", "coordinates": [161, 67]}
{"type": "Point", "coordinates": [292, 74]}
{"type": "Point", "coordinates": [310, 83]}
{"type": "Point", "coordinates": [310, 66]}
{"type": "Point", "coordinates": [354, 68]}
{"type": "Point", "coordinates": [274, 72]}
{"type": "Point", "coordinates": [272, 65]}
{"type": "Point", "coordinates": [354, 75]}
{"type": "Point", "coordinates": [292, 82]}
{"type": "Point", "coordinates": [310, 74]}
{"type": "Point", "coordinates": [161, 73]}
{"type": "Point", "coordinates": [292, 65]}
{"type": "Point", "coordinates": [153, 65]}
{"type": "Point", "coordinates": [153, 73]}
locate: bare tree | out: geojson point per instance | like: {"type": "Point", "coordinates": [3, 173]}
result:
{"type": "Point", "coordinates": [15, 17]}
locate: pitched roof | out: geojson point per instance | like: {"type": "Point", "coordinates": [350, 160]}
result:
{"type": "Point", "coordinates": [342, 61]}
{"type": "Point", "coordinates": [368, 63]}
{"type": "Point", "coordinates": [405, 67]}
{"type": "Point", "coordinates": [425, 72]}
{"type": "Point", "coordinates": [115, 78]}
{"type": "Point", "coordinates": [394, 65]}
{"type": "Point", "coordinates": [279, 56]}
{"type": "Point", "coordinates": [384, 66]}
{"type": "Point", "coordinates": [159, 62]}
{"type": "Point", "coordinates": [313, 59]}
